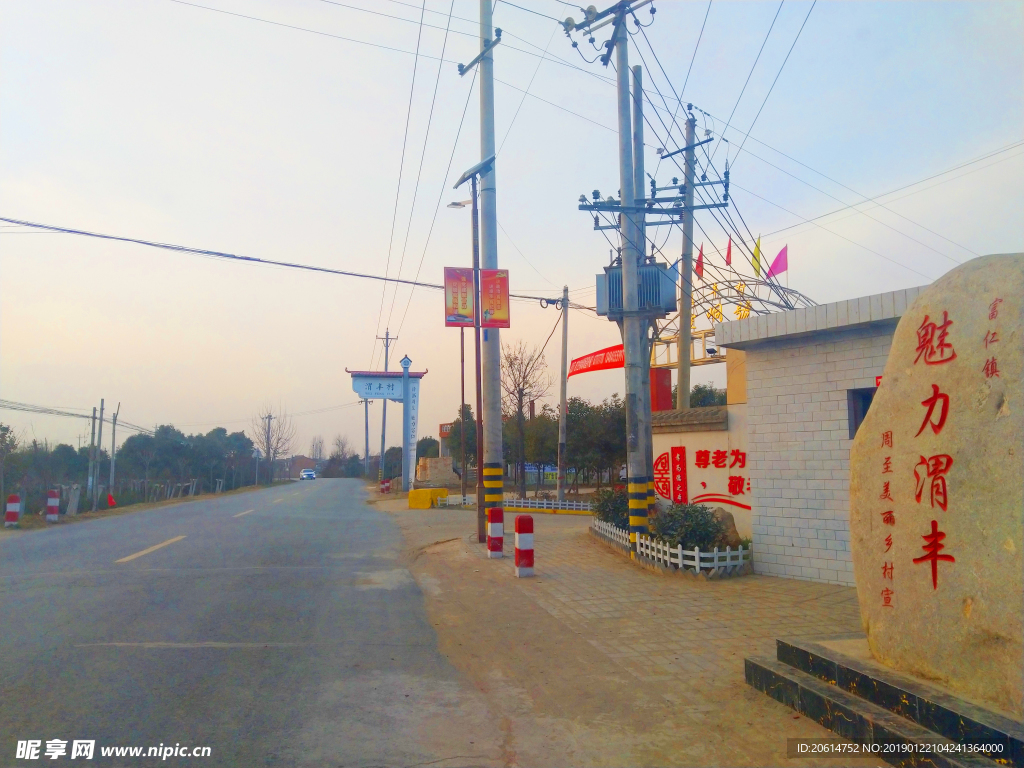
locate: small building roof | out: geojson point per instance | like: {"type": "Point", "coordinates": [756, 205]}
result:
{"type": "Point", "coordinates": [880, 309]}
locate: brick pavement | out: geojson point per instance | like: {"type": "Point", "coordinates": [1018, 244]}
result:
{"type": "Point", "coordinates": [598, 661]}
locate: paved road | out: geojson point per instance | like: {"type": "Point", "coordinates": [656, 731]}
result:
{"type": "Point", "coordinates": [290, 634]}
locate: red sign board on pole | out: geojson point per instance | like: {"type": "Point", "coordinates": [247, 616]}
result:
{"type": "Point", "coordinates": [494, 298]}
{"type": "Point", "coordinates": [458, 297]}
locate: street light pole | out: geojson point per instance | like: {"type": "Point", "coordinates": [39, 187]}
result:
{"type": "Point", "coordinates": [462, 410]}
{"type": "Point", "coordinates": [481, 509]}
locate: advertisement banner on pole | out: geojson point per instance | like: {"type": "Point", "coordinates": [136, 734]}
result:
{"type": "Point", "coordinates": [458, 297]}
{"type": "Point", "coordinates": [494, 298]}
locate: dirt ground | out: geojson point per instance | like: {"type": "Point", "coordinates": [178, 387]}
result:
{"type": "Point", "coordinates": [597, 661]}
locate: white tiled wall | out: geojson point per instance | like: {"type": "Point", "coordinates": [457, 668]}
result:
{"type": "Point", "coordinates": [799, 448]}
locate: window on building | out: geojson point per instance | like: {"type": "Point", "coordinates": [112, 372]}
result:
{"type": "Point", "coordinates": [858, 401]}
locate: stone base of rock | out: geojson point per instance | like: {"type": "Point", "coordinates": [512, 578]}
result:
{"type": "Point", "coordinates": [436, 471]}
{"type": "Point", "coordinates": [836, 683]}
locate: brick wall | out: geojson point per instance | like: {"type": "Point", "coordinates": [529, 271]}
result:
{"type": "Point", "coordinates": [799, 447]}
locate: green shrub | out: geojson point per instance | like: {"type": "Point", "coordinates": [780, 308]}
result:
{"type": "Point", "coordinates": [612, 506]}
{"type": "Point", "coordinates": [692, 525]}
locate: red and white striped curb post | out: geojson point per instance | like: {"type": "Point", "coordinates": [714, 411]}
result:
{"type": "Point", "coordinates": [495, 532]}
{"type": "Point", "coordinates": [13, 509]}
{"type": "Point", "coordinates": [524, 546]}
{"type": "Point", "coordinates": [52, 506]}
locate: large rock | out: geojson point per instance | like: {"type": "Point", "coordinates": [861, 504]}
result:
{"type": "Point", "coordinates": [731, 537]}
{"type": "Point", "coordinates": [937, 489]}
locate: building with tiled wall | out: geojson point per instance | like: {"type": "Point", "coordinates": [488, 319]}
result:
{"type": "Point", "coordinates": [810, 375]}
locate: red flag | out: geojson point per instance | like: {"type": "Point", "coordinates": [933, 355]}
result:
{"type": "Point", "coordinates": [728, 254]}
{"type": "Point", "coordinates": [699, 268]}
{"type": "Point", "coordinates": [110, 501]}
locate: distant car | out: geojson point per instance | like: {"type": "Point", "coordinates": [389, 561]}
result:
{"type": "Point", "coordinates": [307, 474]}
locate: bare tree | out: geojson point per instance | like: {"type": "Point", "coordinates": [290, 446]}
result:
{"type": "Point", "coordinates": [341, 449]}
{"type": "Point", "coordinates": [272, 433]}
{"type": "Point", "coordinates": [524, 378]}
{"type": "Point", "coordinates": [316, 448]}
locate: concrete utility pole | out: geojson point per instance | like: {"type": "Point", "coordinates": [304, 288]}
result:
{"type": "Point", "coordinates": [99, 461]}
{"type": "Point", "coordinates": [462, 410]}
{"type": "Point", "coordinates": [387, 339]}
{"type": "Point", "coordinates": [366, 455]}
{"type": "Point", "coordinates": [684, 345]}
{"type": "Point", "coordinates": [92, 456]}
{"type": "Point", "coordinates": [639, 184]}
{"type": "Point", "coordinates": [636, 454]}
{"type": "Point", "coordinates": [562, 402]}
{"type": "Point", "coordinates": [493, 467]}
{"type": "Point", "coordinates": [113, 446]}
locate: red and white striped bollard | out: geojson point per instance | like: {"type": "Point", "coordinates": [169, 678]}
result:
{"type": "Point", "coordinates": [13, 510]}
{"type": "Point", "coordinates": [524, 546]}
{"type": "Point", "coordinates": [52, 506]}
{"type": "Point", "coordinates": [495, 532]}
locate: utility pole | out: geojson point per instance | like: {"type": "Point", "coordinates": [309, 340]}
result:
{"type": "Point", "coordinates": [636, 455]}
{"type": "Point", "coordinates": [481, 499]}
{"type": "Point", "coordinates": [99, 461]}
{"type": "Point", "coordinates": [366, 455]}
{"type": "Point", "coordinates": [113, 446]}
{"type": "Point", "coordinates": [562, 403]}
{"type": "Point", "coordinates": [462, 409]}
{"type": "Point", "coordinates": [387, 339]}
{"type": "Point", "coordinates": [684, 344]}
{"type": "Point", "coordinates": [490, 415]}
{"type": "Point", "coordinates": [92, 456]}
{"type": "Point", "coordinates": [645, 323]}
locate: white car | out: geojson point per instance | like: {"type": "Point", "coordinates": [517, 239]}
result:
{"type": "Point", "coordinates": [307, 474]}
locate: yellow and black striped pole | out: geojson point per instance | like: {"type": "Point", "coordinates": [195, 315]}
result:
{"type": "Point", "coordinates": [494, 486]}
{"type": "Point", "coordinates": [637, 489]}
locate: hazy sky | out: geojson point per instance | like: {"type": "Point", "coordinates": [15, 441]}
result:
{"type": "Point", "coordinates": [165, 121]}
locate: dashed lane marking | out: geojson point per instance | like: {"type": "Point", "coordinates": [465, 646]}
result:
{"type": "Point", "coordinates": [154, 548]}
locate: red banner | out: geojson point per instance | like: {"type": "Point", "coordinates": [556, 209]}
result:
{"type": "Point", "coordinates": [602, 360]}
{"type": "Point", "coordinates": [494, 298]}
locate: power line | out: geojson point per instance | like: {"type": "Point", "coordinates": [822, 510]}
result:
{"type": "Point", "coordinates": [752, 67]}
{"type": "Point", "coordinates": [398, 190]}
{"type": "Point", "coordinates": [752, 124]}
{"type": "Point", "coordinates": [255, 260]}
{"type": "Point", "coordinates": [440, 195]}
{"type": "Point", "coordinates": [419, 172]}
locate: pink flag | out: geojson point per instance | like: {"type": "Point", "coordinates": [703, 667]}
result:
{"type": "Point", "coordinates": [781, 263]}
{"type": "Point", "coordinates": [699, 267]}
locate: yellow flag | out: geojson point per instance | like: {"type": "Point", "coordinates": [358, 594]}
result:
{"type": "Point", "coordinates": [757, 257]}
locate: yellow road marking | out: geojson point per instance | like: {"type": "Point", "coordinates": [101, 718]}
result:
{"type": "Point", "coordinates": [278, 501]}
{"type": "Point", "coordinates": [244, 513]}
{"type": "Point", "coordinates": [151, 549]}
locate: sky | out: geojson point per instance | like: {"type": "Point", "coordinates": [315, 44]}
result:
{"type": "Point", "coordinates": [309, 131]}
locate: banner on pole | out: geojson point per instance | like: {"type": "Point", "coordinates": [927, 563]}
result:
{"type": "Point", "coordinates": [493, 298]}
{"type": "Point", "coordinates": [602, 360]}
{"type": "Point", "coordinates": [458, 297]}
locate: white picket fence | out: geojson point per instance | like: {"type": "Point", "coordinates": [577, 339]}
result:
{"type": "Point", "coordinates": [517, 505]}
{"type": "Point", "coordinates": [694, 560]}
{"type": "Point", "coordinates": [547, 504]}
{"type": "Point", "coordinates": [609, 531]}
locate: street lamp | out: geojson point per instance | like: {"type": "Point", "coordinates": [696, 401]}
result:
{"type": "Point", "coordinates": [472, 175]}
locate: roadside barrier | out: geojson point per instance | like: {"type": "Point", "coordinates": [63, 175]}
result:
{"type": "Point", "coordinates": [524, 546]}
{"type": "Point", "coordinates": [13, 509]}
{"type": "Point", "coordinates": [52, 506]}
{"type": "Point", "coordinates": [495, 532]}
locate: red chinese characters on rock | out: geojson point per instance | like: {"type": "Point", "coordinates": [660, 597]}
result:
{"type": "Point", "coordinates": [991, 368]}
{"type": "Point", "coordinates": [933, 469]}
{"type": "Point", "coordinates": [938, 400]}
{"type": "Point", "coordinates": [887, 439]}
{"type": "Point", "coordinates": [887, 465]}
{"type": "Point", "coordinates": [886, 494]}
{"type": "Point", "coordinates": [932, 345]}
{"type": "Point", "coordinates": [933, 546]}
{"type": "Point", "coordinates": [889, 518]}
{"type": "Point", "coordinates": [887, 597]}
{"type": "Point", "coordinates": [993, 308]}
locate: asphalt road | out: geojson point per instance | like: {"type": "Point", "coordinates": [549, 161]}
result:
{"type": "Point", "coordinates": [277, 627]}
